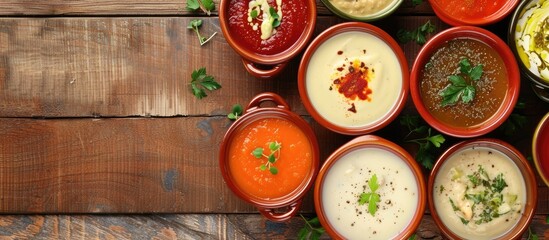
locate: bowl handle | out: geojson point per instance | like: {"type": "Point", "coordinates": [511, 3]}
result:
{"type": "Point", "coordinates": [281, 217]}
{"type": "Point", "coordinates": [263, 73]}
{"type": "Point", "coordinates": [267, 96]}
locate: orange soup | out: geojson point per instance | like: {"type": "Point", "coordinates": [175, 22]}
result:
{"type": "Point", "coordinates": [293, 160]}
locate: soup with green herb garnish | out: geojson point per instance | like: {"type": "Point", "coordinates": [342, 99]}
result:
{"type": "Point", "coordinates": [369, 193]}
{"type": "Point", "coordinates": [464, 83]}
{"type": "Point", "coordinates": [479, 193]}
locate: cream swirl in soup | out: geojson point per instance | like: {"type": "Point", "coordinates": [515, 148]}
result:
{"type": "Point", "coordinates": [353, 79]}
{"type": "Point", "coordinates": [348, 189]}
{"type": "Point", "coordinates": [479, 193]}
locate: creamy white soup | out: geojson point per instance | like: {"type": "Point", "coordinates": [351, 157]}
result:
{"type": "Point", "coordinates": [363, 8]}
{"type": "Point", "coordinates": [479, 193]}
{"type": "Point", "coordinates": [347, 192]}
{"type": "Point", "coordinates": [353, 79]}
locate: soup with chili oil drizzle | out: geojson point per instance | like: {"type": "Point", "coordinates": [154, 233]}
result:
{"type": "Point", "coordinates": [293, 161]}
{"type": "Point", "coordinates": [292, 25]}
{"type": "Point", "coordinates": [491, 88]}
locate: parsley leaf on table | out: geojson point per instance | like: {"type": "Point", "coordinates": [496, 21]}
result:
{"type": "Point", "coordinates": [195, 25]}
{"type": "Point", "coordinates": [236, 112]}
{"type": "Point", "coordinates": [207, 6]}
{"type": "Point", "coordinates": [416, 2]}
{"type": "Point", "coordinates": [193, 5]}
{"type": "Point", "coordinates": [417, 35]}
{"type": "Point", "coordinates": [201, 82]}
{"type": "Point", "coordinates": [312, 229]}
{"type": "Point", "coordinates": [426, 140]}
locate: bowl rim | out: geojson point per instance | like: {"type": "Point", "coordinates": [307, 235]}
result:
{"type": "Point", "coordinates": [508, 103]}
{"type": "Point", "coordinates": [543, 124]}
{"type": "Point", "coordinates": [350, 27]}
{"type": "Point", "coordinates": [256, 114]}
{"type": "Point", "coordinates": [497, 16]}
{"type": "Point", "coordinates": [370, 18]}
{"type": "Point", "coordinates": [372, 141]}
{"type": "Point", "coordinates": [272, 59]}
{"type": "Point", "coordinates": [512, 44]}
{"type": "Point", "coordinates": [517, 158]}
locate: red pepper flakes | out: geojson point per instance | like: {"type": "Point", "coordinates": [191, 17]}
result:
{"type": "Point", "coordinates": [354, 84]}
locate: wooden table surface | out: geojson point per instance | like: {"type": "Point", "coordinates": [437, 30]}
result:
{"type": "Point", "coordinates": [102, 138]}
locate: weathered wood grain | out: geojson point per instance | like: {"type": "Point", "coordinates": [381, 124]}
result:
{"type": "Point", "coordinates": [187, 226]}
{"type": "Point", "coordinates": [89, 67]}
{"type": "Point", "coordinates": [119, 165]}
{"type": "Point", "coordinates": [138, 7]}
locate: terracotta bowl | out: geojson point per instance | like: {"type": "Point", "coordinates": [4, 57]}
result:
{"type": "Point", "coordinates": [297, 162]}
{"type": "Point", "coordinates": [369, 17]}
{"type": "Point", "coordinates": [347, 174]}
{"type": "Point", "coordinates": [448, 13]}
{"type": "Point", "coordinates": [469, 154]}
{"type": "Point", "coordinates": [539, 84]}
{"type": "Point", "coordinates": [268, 63]}
{"type": "Point", "coordinates": [359, 100]}
{"type": "Point", "coordinates": [426, 103]}
{"type": "Point", "coordinates": [540, 150]}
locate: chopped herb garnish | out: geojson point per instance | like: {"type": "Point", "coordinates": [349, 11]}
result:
{"type": "Point", "coordinates": [206, 5]}
{"type": "Point", "coordinates": [372, 198]}
{"type": "Point", "coordinates": [195, 25]}
{"type": "Point", "coordinates": [312, 229]}
{"type": "Point", "coordinates": [441, 189]}
{"type": "Point", "coordinates": [459, 87]}
{"type": "Point", "coordinates": [417, 35]}
{"type": "Point", "coordinates": [236, 112]}
{"type": "Point", "coordinates": [273, 156]}
{"type": "Point", "coordinates": [254, 13]}
{"type": "Point", "coordinates": [201, 81]}
{"type": "Point", "coordinates": [275, 17]}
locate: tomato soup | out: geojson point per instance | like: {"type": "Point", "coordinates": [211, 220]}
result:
{"type": "Point", "coordinates": [490, 89]}
{"type": "Point", "coordinates": [471, 9]}
{"type": "Point", "coordinates": [293, 163]}
{"type": "Point", "coordinates": [294, 18]}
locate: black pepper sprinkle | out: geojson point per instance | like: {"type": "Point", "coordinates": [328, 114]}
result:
{"type": "Point", "coordinates": [339, 52]}
{"type": "Point", "coordinates": [351, 69]}
{"type": "Point", "coordinates": [375, 232]}
{"type": "Point", "coordinates": [489, 152]}
{"type": "Point", "coordinates": [348, 201]}
{"type": "Point", "coordinates": [405, 189]}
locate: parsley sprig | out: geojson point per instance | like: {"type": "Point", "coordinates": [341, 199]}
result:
{"type": "Point", "coordinates": [207, 6]}
{"type": "Point", "coordinates": [271, 158]}
{"type": "Point", "coordinates": [195, 25]}
{"type": "Point", "coordinates": [416, 2]}
{"type": "Point", "coordinates": [460, 87]}
{"type": "Point", "coordinates": [418, 35]}
{"type": "Point", "coordinates": [235, 113]}
{"type": "Point", "coordinates": [426, 139]}
{"type": "Point", "coordinates": [312, 229]}
{"type": "Point", "coordinates": [201, 82]}
{"type": "Point", "coordinates": [372, 198]}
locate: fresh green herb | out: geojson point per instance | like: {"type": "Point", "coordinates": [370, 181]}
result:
{"type": "Point", "coordinates": [207, 6]}
{"type": "Point", "coordinates": [516, 121]}
{"type": "Point", "coordinates": [275, 17]}
{"type": "Point", "coordinates": [547, 219]}
{"type": "Point", "coordinates": [274, 147]}
{"type": "Point", "coordinates": [459, 88]}
{"type": "Point", "coordinates": [372, 198]}
{"type": "Point", "coordinates": [254, 13]}
{"type": "Point", "coordinates": [416, 2]}
{"type": "Point", "coordinates": [312, 229]}
{"type": "Point", "coordinates": [235, 112]}
{"type": "Point", "coordinates": [488, 199]}
{"type": "Point", "coordinates": [202, 81]}
{"type": "Point", "coordinates": [426, 139]}
{"type": "Point", "coordinates": [417, 35]}
{"type": "Point", "coordinates": [441, 189]}
{"type": "Point", "coordinates": [532, 235]}
{"type": "Point", "coordinates": [195, 25]}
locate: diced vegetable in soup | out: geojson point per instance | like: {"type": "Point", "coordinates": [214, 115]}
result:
{"type": "Point", "coordinates": [464, 83]}
{"type": "Point", "coordinates": [479, 193]}
{"type": "Point", "coordinates": [270, 158]}
{"type": "Point", "coordinates": [369, 193]}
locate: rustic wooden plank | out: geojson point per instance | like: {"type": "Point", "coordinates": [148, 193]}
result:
{"type": "Point", "coordinates": [138, 7]}
{"type": "Point", "coordinates": [119, 165]}
{"type": "Point", "coordinates": [74, 67]}
{"type": "Point", "coordinates": [187, 226]}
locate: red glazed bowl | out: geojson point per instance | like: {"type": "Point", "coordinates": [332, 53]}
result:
{"type": "Point", "coordinates": [277, 195]}
{"type": "Point", "coordinates": [347, 175]}
{"type": "Point", "coordinates": [540, 148]}
{"type": "Point", "coordinates": [491, 119]}
{"type": "Point", "coordinates": [455, 172]}
{"type": "Point", "coordinates": [267, 58]}
{"type": "Point", "coordinates": [353, 78]}
{"type": "Point", "coordinates": [462, 13]}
